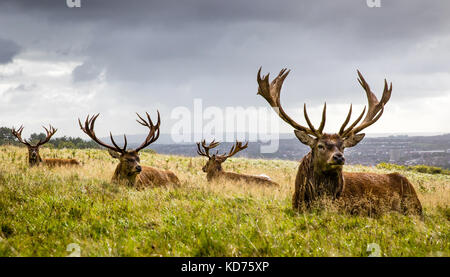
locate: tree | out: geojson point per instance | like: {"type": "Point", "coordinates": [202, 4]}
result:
{"type": "Point", "coordinates": [6, 137]}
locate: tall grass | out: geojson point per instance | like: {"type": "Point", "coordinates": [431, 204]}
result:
{"type": "Point", "coordinates": [43, 210]}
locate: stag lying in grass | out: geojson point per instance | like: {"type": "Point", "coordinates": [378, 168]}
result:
{"type": "Point", "coordinates": [320, 171]}
{"type": "Point", "coordinates": [214, 170]}
{"type": "Point", "coordinates": [129, 171]}
{"type": "Point", "coordinates": [33, 150]}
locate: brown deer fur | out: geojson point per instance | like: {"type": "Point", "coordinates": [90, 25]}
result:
{"type": "Point", "coordinates": [129, 171]}
{"type": "Point", "coordinates": [34, 158]}
{"type": "Point", "coordinates": [320, 171]}
{"type": "Point", "coordinates": [367, 193]}
{"type": "Point", "coordinates": [214, 171]}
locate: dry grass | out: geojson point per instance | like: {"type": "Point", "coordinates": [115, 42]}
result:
{"type": "Point", "coordinates": [42, 210]}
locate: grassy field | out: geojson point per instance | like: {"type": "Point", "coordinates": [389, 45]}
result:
{"type": "Point", "coordinates": [43, 211]}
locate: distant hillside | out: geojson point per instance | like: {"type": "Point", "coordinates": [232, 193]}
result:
{"type": "Point", "coordinates": [405, 150]}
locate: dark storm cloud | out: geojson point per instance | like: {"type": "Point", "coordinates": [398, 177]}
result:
{"type": "Point", "coordinates": [86, 72]}
{"type": "Point", "coordinates": [173, 51]}
{"type": "Point", "coordinates": [8, 49]}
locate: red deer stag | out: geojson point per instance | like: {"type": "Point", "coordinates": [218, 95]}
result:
{"type": "Point", "coordinates": [33, 150]}
{"type": "Point", "coordinates": [214, 170]}
{"type": "Point", "coordinates": [320, 171]}
{"type": "Point", "coordinates": [129, 171]}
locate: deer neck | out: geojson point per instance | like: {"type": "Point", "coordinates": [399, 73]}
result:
{"type": "Point", "coordinates": [320, 182]}
{"type": "Point", "coordinates": [215, 173]}
{"type": "Point", "coordinates": [34, 161]}
{"type": "Point", "coordinates": [121, 176]}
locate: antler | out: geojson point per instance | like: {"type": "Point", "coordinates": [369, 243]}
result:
{"type": "Point", "coordinates": [234, 149]}
{"type": "Point", "coordinates": [89, 130]}
{"type": "Point", "coordinates": [374, 112]}
{"type": "Point", "coordinates": [18, 135]}
{"type": "Point", "coordinates": [153, 134]}
{"type": "Point", "coordinates": [206, 147]}
{"type": "Point", "coordinates": [50, 133]}
{"type": "Point", "coordinates": [272, 95]}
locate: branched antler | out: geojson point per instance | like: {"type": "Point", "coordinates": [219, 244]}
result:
{"type": "Point", "coordinates": [271, 92]}
{"type": "Point", "coordinates": [234, 149]}
{"type": "Point", "coordinates": [49, 133]}
{"type": "Point", "coordinates": [272, 95]}
{"type": "Point", "coordinates": [206, 148]}
{"type": "Point", "coordinates": [151, 137]}
{"type": "Point", "coordinates": [88, 128]}
{"type": "Point", "coordinates": [374, 112]}
{"type": "Point", "coordinates": [153, 133]}
{"type": "Point", "coordinates": [18, 134]}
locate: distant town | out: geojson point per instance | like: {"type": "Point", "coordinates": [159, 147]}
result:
{"type": "Point", "coordinates": [402, 149]}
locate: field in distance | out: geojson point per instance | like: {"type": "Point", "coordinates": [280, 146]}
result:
{"type": "Point", "coordinates": [43, 211]}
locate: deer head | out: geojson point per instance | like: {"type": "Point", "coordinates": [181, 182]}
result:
{"type": "Point", "coordinates": [129, 161]}
{"type": "Point", "coordinates": [214, 163]}
{"type": "Point", "coordinates": [327, 149]}
{"type": "Point", "coordinates": [33, 150]}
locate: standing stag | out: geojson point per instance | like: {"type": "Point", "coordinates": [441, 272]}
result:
{"type": "Point", "coordinates": [33, 150]}
{"type": "Point", "coordinates": [129, 171]}
{"type": "Point", "coordinates": [214, 170]}
{"type": "Point", "coordinates": [320, 171]}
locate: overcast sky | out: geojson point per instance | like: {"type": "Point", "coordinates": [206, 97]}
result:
{"type": "Point", "coordinates": [121, 57]}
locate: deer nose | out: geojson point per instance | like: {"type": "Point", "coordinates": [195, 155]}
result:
{"type": "Point", "coordinates": [138, 168]}
{"type": "Point", "coordinates": [339, 158]}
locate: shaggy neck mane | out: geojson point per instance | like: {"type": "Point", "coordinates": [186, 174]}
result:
{"type": "Point", "coordinates": [35, 161]}
{"type": "Point", "coordinates": [316, 183]}
{"type": "Point", "coordinates": [214, 173]}
{"type": "Point", "coordinates": [120, 177]}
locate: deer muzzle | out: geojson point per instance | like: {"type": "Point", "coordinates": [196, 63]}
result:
{"type": "Point", "coordinates": [339, 158]}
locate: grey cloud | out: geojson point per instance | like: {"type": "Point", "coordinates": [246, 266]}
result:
{"type": "Point", "coordinates": [86, 72]}
{"type": "Point", "coordinates": [8, 50]}
{"type": "Point", "coordinates": [169, 52]}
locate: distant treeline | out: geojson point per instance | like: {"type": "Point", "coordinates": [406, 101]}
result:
{"type": "Point", "coordinates": [6, 137]}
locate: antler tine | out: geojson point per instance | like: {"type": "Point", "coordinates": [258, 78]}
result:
{"type": "Point", "coordinates": [206, 148]}
{"type": "Point", "coordinates": [146, 123]}
{"type": "Point", "coordinates": [272, 95]}
{"type": "Point", "coordinates": [349, 129]}
{"type": "Point", "coordinates": [154, 131]}
{"type": "Point", "coordinates": [318, 132]}
{"type": "Point", "coordinates": [235, 149]}
{"type": "Point", "coordinates": [88, 129]}
{"type": "Point", "coordinates": [49, 134]}
{"type": "Point", "coordinates": [124, 148]}
{"type": "Point", "coordinates": [324, 117]}
{"type": "Point", "coordinates": [311, 126]}
{"type": "Point", "coordinates": [18, 134]}
{"type": "Point", "coordinates": [347, 119]}
{"type": "Point", "coordinates": [200, 152]}
{"type": "Point", "coordinates": [375, 109]}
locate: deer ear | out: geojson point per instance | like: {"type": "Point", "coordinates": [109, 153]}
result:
{"type": "Point", "coordinates": [305, 138]}
{"type": "Point", "coordinates": [353, 140]}
{"type": "Point", "coordinates": [113, 154]}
